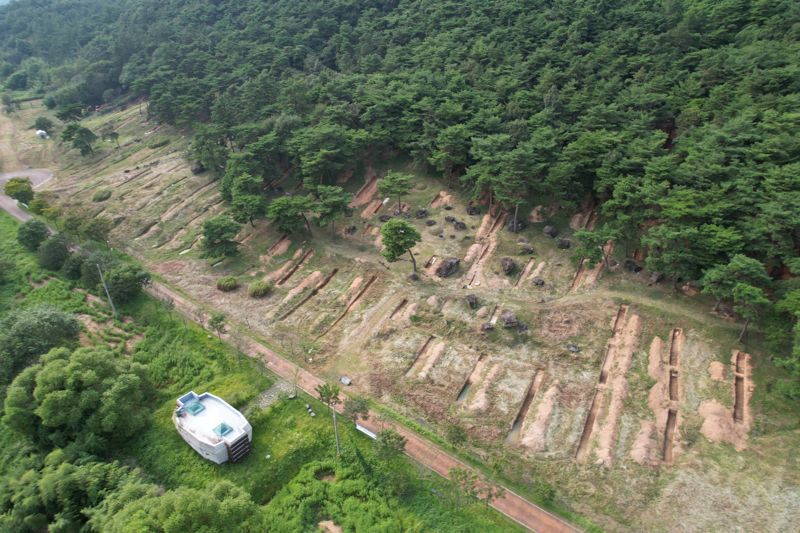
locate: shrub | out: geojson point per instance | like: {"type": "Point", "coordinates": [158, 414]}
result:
{"type": "Point", "coordinates": [259, 289]}
{"type": "Point", "coordinates": [38, 205]}
{"type": "Point", "coordinates": [101, 196]}
{"type": "Point", "coordinates": [44, 123]}
{"type": "Point", "coordinates": [71, 269]}
{"type": "Point", "coordinates": [53, 253]}
{"type": "Point", "coordinates": [20, 189]}
{"type": "Point", "coordinates": [228, 283]}
{"type": "Point", "coordinates": [158, 142]}
{"type": "Point", "coordinates": [31, 234]}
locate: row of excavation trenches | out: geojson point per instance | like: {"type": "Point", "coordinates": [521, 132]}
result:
{"type": "Point", "coordinates": [602, 422]}
{"type": "Point", "coordinates": [731, 425]}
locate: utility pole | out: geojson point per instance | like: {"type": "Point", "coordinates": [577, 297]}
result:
{"type": "Point", "coordinates": [108, 294]}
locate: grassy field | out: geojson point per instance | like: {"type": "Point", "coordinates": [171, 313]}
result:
{"type": "Point", "coordinates": [289, 446]}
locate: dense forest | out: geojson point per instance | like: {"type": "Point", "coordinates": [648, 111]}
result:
{"type": "Point", "coordinates": [679, 119]}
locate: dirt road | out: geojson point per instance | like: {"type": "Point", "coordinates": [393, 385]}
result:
{"type": "Point", "coordinates": [38, 176]}
{"type": "Point", "coordinates": [423, 451]}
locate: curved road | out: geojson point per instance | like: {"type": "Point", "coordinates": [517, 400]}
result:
{"type": "Point", "coordinates": [522, 511]}
{"type": "Point", "coordinates": [38, 176]}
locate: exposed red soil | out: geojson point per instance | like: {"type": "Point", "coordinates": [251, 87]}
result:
{"type": "Point", "coordinates": [442, 199]}
{"type": "Point", "coordinates": [367, 191]}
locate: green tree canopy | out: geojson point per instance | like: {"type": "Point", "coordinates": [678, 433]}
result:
{"type": "Point", "coordinates": [396, 184]}
{"type": "Point", "coordinates": [288, 213]}
{"type": "Point", "coordinates": [332, 203]}
{"type": "Point", "coordinates": [399, 237]}
{"type": "Point", "coordinates": [80, 137]}
{"type": "Point", "coordinates": [89, 399]}
{"type": "Point", "coordinates": [32, 332]}
{"type": "Point", "coordinates": [19, 189]}
{"type": "Point", "coordinates": [218, 237]}
{"type": "Point", "coordinates": [32, 233]}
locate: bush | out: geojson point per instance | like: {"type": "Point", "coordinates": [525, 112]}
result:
{"type": "Point", "coordinates": [32, 332]}
{"type": "Point", "coordinates": [53, 253]}
{"type": "Point", "coordinates": [125, 282]}
{"type": "Point", "coordinates": [31, 234]}
{"type": "Point", "coordinates": [44, 123]}
{"type": "Point", "coordinates": [20, 189]}
{"type": "Point", "coordinates": [158, 142]}
{"type": "Point", "coordinates": [259, 289]}
{"type": "Point", "coordinates": [72, 267]}
{"type": "Point", "coordinates": [38, 205]}
{"type": "Point", "coordinates": [227, 284]}
{"type": "Point", "coordinates": [101, 196]}
{"type": "Point", "coordinates": [90, 278]}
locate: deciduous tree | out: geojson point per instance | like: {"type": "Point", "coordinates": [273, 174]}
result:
{"type": "Point", "coordinates": [399, 237]}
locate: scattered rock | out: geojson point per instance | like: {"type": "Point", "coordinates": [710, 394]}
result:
{"type": "Point", "coordinates": [198, 169]}
{"type": "Point", "coordinates": [574, 348]}
{"type": "Point", "coordinates": [550, 231]}
{"type": "Point", "coordinates": [564, 244]}
{"type": "Point", "coordinates": [472, 301]}
{"type": "Point", "coordinates": [487, 326]}
{"type": "Point", "coordinates": [509, 319]}
{"type": "Point", "coordinates": [413, 277]}
{"type": "Point", "coordinates": [516, 226]}
{"type": "Point", "coordinates": [460, 225]}
{"type": "Point", "coordinates": [689, 289]}
{"type": "Point", "coordinates": [448, 267]}
{"type": "Point", "coordinates": [473, 210]}
{"type": "Point", "coordinates": [632, 266]}
{"type": "Point", "coordinates": [385, 218]}
{"type": "Point", "coordinates": [655, 277]}
{"type": "Point", "coordinates": [421, 213]}
{"type": "Point", "coordinates": [350, 230]}
{"type": "Point", "coordinates": [539, 282]}
{"type": "Point", "coordinates": [522, 327]}
{"type": "Point", "coordinates": [452, 236]}
{"type": "Point", "coordinates": [430, 222]}
{"type": "Point", "coordinates": [483, 312]}
{"type": "Point", "coordinates": [450, 218]}
{"type": "Point", "coordinates": [508, 265]}
{"type": "Point", "coordinates": [526, 249]}
{"type": "Point", "coordinates": [433, 301]}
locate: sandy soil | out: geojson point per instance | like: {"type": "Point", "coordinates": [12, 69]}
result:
{"type": "Point", "coordinates": [534, 435]}
{"type": "Point", "coordinates": [481, 401]}
{"type": "Point", "coordinates": [442, 199]}
{"type": "Point", "coordinates": [716, 371]}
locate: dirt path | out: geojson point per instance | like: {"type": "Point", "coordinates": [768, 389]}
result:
{"type": "Point", "coordinates": [38, 176]}
{"type": "Point", "coordinates": [425, 452]}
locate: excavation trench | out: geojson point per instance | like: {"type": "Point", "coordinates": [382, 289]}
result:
{"type": "Point", "coordinates": [738, 403]}
{"type": "Point", "coordinates": [473, 375]}
{"type": "Point", "coordinates": [294, 269]}
{"type": "Point", "coordinates": [583, 446]}
{"type": "Point", "coordinates": [310, 295]}
{"type": "Point", "coordinates": [669, 435]}
{"type": "Point", "coordinates": [399, 307]}
{"type": "Point", "coordinates": [420, 353]}
{"type": "Point", "coordinates": [741, 359]}
{"type": "Point", "coordinates": [516, 425]}
{"type": "Point", "coordinates": [350, 306]}
{"type": "Point", "coordinates": [675, 346]}
{"type": "Point", "coordinates": [673, 385]}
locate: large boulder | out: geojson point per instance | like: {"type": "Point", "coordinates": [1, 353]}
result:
{"type": "Point", "coordinates": [473, 210]}
{"type": "Point", "coordinates": [539, 282]}
{"type": "Point", "coordinates": [460, 226]}
{"type": "Point", "coordinates": [515, 226]}
{"type": "Point", "coordinates": [509, 319]}
{"type": "Point", "coordinates": [564, 244]}
{"type": "Point", "coordinates": [448, 267]}
{"type": "Point", "coordinates": [421, 213]}
{"type": "Point", "coordinates": [526, 249]}
{"type": "Point", "coordinates": [508, 265]}
{"type": "Point", "coordinates": [472, 301]}
{"type": "Point", "coordinates": [550, 231]}
{"type": "Point", "coordinates": [632, 266]}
